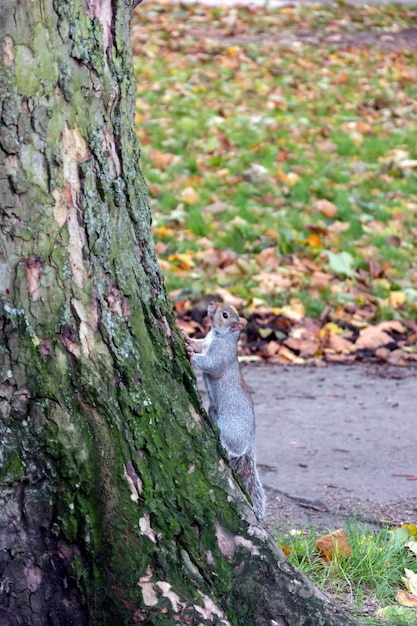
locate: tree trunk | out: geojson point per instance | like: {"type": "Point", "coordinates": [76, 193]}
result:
{"type": "Point", "coordinates": [117, 505]}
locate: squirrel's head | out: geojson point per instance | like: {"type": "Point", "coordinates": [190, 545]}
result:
{"type": "Point", "coordinates": [224, 319]}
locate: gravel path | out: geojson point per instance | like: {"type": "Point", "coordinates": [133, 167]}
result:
{"type": "Point", "coordinates": [334, 442]}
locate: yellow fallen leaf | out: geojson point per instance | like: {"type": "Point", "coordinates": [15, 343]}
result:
{"type": "Point", "coordinates": [249, 358]}
{"type": "Point", "coordinates": [163, 231]}
{"type": "Point", "coordinates": [189, 196]}
{"type": "Point", "coordinates": [292, 178]}
{"type": "Point", "coordinates": [410, 581]}
{"type": "Point", "coordinates": [332, 328]}
{"type": "Point", "coordinates": [412, 528]}
{"type": "Point", "coordinates": [294, 311]}
{"type": "Point", "coordinates": [233, 51]}
{"type": "Point", "coordinates": [265, 332]}
{"type": "Point", "coordinates": [396, 299]}
{"type": "Point", "coordinates": [182, 261]}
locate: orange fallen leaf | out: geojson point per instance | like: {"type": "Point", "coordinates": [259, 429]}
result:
{"type": "Point", "coordinates": [272, 348]}
{"type": "Point", "coordinates": [339, 344]}
{"type": "Point", "coordinates": [333, 545]}
{"type": "Point", "coordinates": [406, 599]}
{"type": "Point", "coordinates": [161, 160]}
{"type": "Point", "coordinates": [182, 261]}
{"type": "Point", "coordinates": [314, 241]}
{"type": "Point", "coordinates": [326, 208]}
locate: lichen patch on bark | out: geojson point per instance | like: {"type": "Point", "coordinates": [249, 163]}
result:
{"type": "Point", "coordinates": [102, 10]}
{"type": "Point", "coordinates": [9, 52]}
{"type": "Point", "coordinates": [34, 266]}
{"type": "Point", "coordinates": [74, 150]}
{"type": "Point", "coordinates": [146, 529]}
{"type": "Point", "coordinates": [134, 482]}
{"type": "Point", "coordinates": [225, 540]}
{"type": "Point", "coordinates": [166, 590]}
{"type": "Point", "coordinates": [210, 610]}
{"type": "Point", "coordinates": [88, 319]}
{"type": "Point", "coordinates": [60, 209]}
{"type": "Point", "coordinates": [109, 148]}
{"type": "Point", "coordinates": [246, 543]}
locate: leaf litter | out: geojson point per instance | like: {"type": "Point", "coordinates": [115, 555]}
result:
{"type": "Point", "coordinates": [280, 150]}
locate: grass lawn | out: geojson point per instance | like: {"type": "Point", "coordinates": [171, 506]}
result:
{"type": "Point", "coordinates": [280, 148]}
{"type": "Point", "coordinates": [372, 577]}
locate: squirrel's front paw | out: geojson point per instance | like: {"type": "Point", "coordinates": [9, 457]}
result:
{"type": "Point", "coordinates": [190, 352]}
{"type": "Point", "coordinates": [188, 347]}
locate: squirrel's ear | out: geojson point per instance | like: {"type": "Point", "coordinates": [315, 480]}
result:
{"type": "Point", "coordinates": [239, 325]}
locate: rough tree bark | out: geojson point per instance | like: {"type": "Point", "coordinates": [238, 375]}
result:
{"type": "Point", "coordinates": [116, 503]}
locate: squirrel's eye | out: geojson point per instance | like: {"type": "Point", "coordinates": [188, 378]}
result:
{"type": "Point", "coordinates": [225, 315]}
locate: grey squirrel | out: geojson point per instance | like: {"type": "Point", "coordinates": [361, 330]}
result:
{"type": "Point", "coordinates": [230, 403]}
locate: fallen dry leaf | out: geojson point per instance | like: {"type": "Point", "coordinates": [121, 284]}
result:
{"type": "Point", "coordinates": [288, 355]}
{"type": "Point", "coordinates": [189, 195]}
{"type": "Point", "coordinates": [396, 299]}
{"type": "Point", "coordinates": [393, 325]}
{"type": "Point", "coordinates": [286, 550]}
{"type": "Point", "coordinates": [339, 344]}
{"type": "Point", "coordinates": [371, 338]}
{"type": "Point", "coordinates": [410, 581]}
{"type": "Point", "coordinates": [326, 208]}
{"type": "Point", "coordinates": [406, 599]}
{"type": "Point", "coordinates": [272, 348]}
{"type": "Point", "coordinates": [320, 280]}
{"type": "Point", "coordinates": [333, 545]}
{"type": "Point", "coordinates": [306, 348]}
{"type": "Point", "coordinates": [229, 298]}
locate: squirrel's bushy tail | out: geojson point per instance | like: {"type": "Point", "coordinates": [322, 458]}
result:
{"type": "Point", "coordinates": [245, 466]}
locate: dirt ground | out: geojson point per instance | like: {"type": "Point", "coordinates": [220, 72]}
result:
{"type": "Point", "coordinates": [336, 442]}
